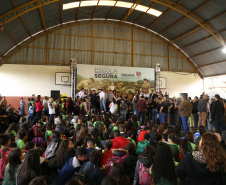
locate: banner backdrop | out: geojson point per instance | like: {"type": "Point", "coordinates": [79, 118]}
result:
{"type": "Point", "coordinates": [115, 78]}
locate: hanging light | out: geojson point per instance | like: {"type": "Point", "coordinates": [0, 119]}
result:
{"type": "Point", "coordinates": [224, 49]}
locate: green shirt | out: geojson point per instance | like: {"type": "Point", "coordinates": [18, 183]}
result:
{"type": "Point", "coordinates": [48, 133]}
{"type": "Point", "coordinates": [97, 123]}
{"type": "Point", "coordinates": [163, 181]}
{"type": "Point", "coordinates": [112, 128]}
{"type": "Point", "coordinates": [198, 139]}
{"type": "Point", "coordinates": [14, 133]}
{"type": "Point", "coordinates": [175, 150]}
{"type": "Point", "coordinates": [20, 143]}
{"type": "Point", "coordinates": [76, 124]}
{"type": "Point", "coordinates": [132, 141]}
{"type": "Point", "coordinates": [6, 180]}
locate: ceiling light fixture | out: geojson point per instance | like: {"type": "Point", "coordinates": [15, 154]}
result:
{"type": "Point", "coordinates": [121, 4]}
{"type": "Point", "coordinates": [224, 49]}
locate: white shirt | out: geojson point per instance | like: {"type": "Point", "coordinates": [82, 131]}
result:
{"type": "Point", "coordinates": [81, 94]}
{"type": "Point", "coordinates": [102, 95]}
{"type": "Point", "coordinates": [112, 108]}
{"type": "Point", "coordinates": [51, 110]}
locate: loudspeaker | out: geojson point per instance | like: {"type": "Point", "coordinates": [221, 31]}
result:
{"type": "Point", "coordinates": [55, 94]}
{"type": "Point", "coordinates": [184, 94]}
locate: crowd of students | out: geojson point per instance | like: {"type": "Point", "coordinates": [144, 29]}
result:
{"type": "Point", "coordinates": [77, 142]}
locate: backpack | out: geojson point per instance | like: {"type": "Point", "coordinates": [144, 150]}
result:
{"type": "Point", "coordinates": [38, 141]}
{"type": "Point", "coordinates": [51, 149]}
{"type": "Point", "coordinates": [144, 175]}
{"type": "Point", "coordinates": [181, 154]}
{"type": "Point", "coordinates": [3, 161]}
{"type": "Point", "coordinates": [81, 175]}
{"type": "Point", "coordinates": [141, 145]}
{"type": "Point", "coordinates": [113, 160]}
{"type": "Point", "coordinates": [97, 123]}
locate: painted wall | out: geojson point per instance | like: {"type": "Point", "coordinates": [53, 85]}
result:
{"type": "Point", "coordinates": [18, 81]}
{"type": "Point", "coordinates": [25, 80]}
{"type": "Point", "coordinates": [180, 82]}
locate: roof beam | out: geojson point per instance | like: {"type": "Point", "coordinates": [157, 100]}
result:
{"type": "Point", "coordinates": [77, 13]}
{"type": "Point", "coordinates": [25, 8]}
{"type": "Point", "coordinates": [144, 13]}
{"type": "Point", "coordinates": [207, 2]}
{"type": "Point", "coordinates": [109, 13]}
{"type": "Point", "coordinates": [61, 12]}
{"type": "Point", "coordinates": [11, 38]}
{"type": "Point", "coordinates": [206, 52]}
{"type": "Point", "coordinates": [41, 15]}
{"type": "Point", "coordinates": [128, 13]}
{"type": "Point", "coordinates": [196, 29]}
{"type": "Point", "coordinates": [94, 11]}
{"type": "Point", "coordinates": [21, 18]}
{"type": "Point", "coordinates": [212, 64]}
{"type": "Point", "coordinates": [158, 18]}
{"type": "Point", "coordinates": [201, 40]}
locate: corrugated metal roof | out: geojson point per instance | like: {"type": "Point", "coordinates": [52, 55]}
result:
{"type": "Point", "coordinates": [173, 25]}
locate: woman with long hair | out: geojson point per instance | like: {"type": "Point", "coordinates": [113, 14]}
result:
{"type": "Point", "coordinates": [119, 174]}
{"type": "Point", "coordinates": [39, 107]}
{"type": "Point", "coordinates": [15, 157]}
{"type": "Point", "coordinates": [64, 152]}
{"type": "Point", "coordinates": [188, 142]}
{"type": "Point", "coordinates": [5, 141]}
{"type": "Point", "coordinates": [145, 159]}
{"type": "Point", "coordinates": [163, 168]}
{"type": "Point", "coordinates": [173, 144]}
{"type": "Point", "coordinates": [51, 108]}
{"type": "Point", "coordinates": [80, 140]}
{"type": "Point", "coordinates": [206, 166]}
{"type": "Point", "coordinates": [30, 168]}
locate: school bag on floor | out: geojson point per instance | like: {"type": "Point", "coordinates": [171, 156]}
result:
{"type": "Point", "coordinates": [144, 175]}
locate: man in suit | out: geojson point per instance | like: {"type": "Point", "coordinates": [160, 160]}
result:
{"type": "Point", "coordinates": [217, 113]}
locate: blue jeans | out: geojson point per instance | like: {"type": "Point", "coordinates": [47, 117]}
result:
{"type": "Point", "coordinates": [185, 124]}
{"type": "Point", "coordinates": [123, 113]}
{"type": "Point", "coordinates": [160, 118]}
{"type": "Point", "coordinates": [22, 112]}
{"type": "Point", "coordinates": [172, 119]}
{"type": "Point", "coordinates": [30, 117]}
{"type": "Point", "coordinates": [51, 116]}
{"type": "Point", "coordinates": [135, 112]}
{"type": "Point", "coordinates": [164, 117]}
{"type": "Point", "coordinates": [102, 105]}
{"type": "Point", "coordinates": [141, 117]}
{"type": "Point", "coordinates": [154, 115]}
{"type": "Point", "coordinates": [179, 120]}
{"type": "Point", "coordinates": [196, 120]}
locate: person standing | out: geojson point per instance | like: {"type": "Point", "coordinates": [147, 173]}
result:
{"type": "Point", "coordinates": [123, 109]}
{"type": "Point", "coordinates": [172, 112]}
{"type": "Point", "coordinates": [3, 102]}
{"type": "Point", "coordinates": [217, 113]}
{"type": "Point", "coordinates": [22, 106]}
{"type": "Point", "coordinates": [185, 111]}
{"type": "Point", "coordinates": [164, 110]}
{"type": "Point", "coordinates": [45, 106]}
{"type": "Point", "coordinates": [102, 100]}
{"type": "Point", "coordinates": [195, 111]}
{"type": "Point", "coordinates": [141, 105]}
{"type": "Point", "coordinates": [202, 111]}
